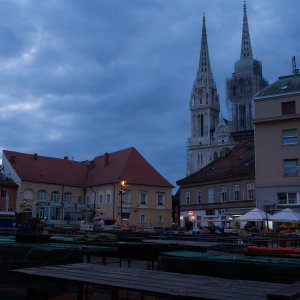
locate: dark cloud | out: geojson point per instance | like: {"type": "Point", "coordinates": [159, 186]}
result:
{"type": "Point", "coordinates": [80, 78]}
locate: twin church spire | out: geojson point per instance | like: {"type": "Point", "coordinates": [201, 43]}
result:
{"type": "Point", "coordinates": [210, 133]}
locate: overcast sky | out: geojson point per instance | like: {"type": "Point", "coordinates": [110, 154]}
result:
{"type": "Point", "coordinates": [80, 78]}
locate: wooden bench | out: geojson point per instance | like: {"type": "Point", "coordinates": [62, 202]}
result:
{"type": "Point", "coordinates": [149, 282]}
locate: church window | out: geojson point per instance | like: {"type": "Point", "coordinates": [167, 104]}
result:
{"type": "Point", "coordinates": [206, 98]}
{"type": "Point", "coordinates": [242, 115]}
{"type": "Point", "coordinates": [198, 125]}
{"type": "Point", "coordinates": [201, 126]}
{"type": "Point", "coordinates": [215, 155]}
{"type": "Point", "coordinates": [200, 100]}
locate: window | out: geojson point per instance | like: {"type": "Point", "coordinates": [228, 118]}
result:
{"type": "Point", "coordinates": [143, 198]}
{"type": "Point", "coordinates": [101, 198]}
{"type": "Point", "coordinates": [41, 213]}
{"type": "Point", "coordinates": [289, 137]}
{"type": "Point", "coordinates": [41, 195]}
{"type": "Point", "coordinates": [55, 196]}
{"type": "Point", "coordinates": [3, 193]}
{"type": "Point", "coordinates": [210, 195]}
{"type": "Point", "coordinates": [250, 191]}
{"type": "Point", "coordinates": [55, 213]}
{"type": "Point", "coordinates": [223, 194]}
{"type": "Point", "coordinates": [160, 220]}
{"type": "Point", "coordinates": [198, 196]}
{"type": "Point", "coordinates": [28, 194]}
{"type": "Point", "coordinates": [108, 198]}
{"type": "Point", "coordinates": [290, 167]}
{"type": "Point", "coordinates": [236, 192]}
{"type": "Point", "coordinates": [68, 197]}
{"type": "Point", "coordinates": [143, 219]}
{"type": "Point", "coordinates": [80, 199]}
{"type": "Point", "coordinates": [210, 212]}
{"type": "Point", "coordinates": [187, 197]}
{"type": "Point", "coordinates": [287, 198]}
{"type": "Point", "coordinates": [288, 108]}
{"type": "Point", "coordinates": [160, 199]}
{"type": "Point", "coordinates": [126, 198]}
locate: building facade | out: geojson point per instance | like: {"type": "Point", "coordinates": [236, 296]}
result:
{"type": "Point", "coordinates": [8, 194]}
{"type": "Point", "coordinates": [221, 191]}
{"type": "Point", "coordinates": [277, 138]}
{"type": "Point", "coordinates": [64, 191]}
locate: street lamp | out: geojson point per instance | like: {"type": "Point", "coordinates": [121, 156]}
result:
{"type": "Point", "coordinates": [122, 191]}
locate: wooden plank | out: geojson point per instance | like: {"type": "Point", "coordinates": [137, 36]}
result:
{"type": "Point", "coordinates": [156, 282]}
{"type": "Point", "coordinates": [290, 292]}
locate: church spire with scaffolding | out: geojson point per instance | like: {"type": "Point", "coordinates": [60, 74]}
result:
{"type": "Point", "coordinates": [246, 50]}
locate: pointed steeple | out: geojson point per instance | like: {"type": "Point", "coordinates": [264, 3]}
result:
{"type": "Point", "coordinates": [204, 63]}
{"type": "Point", "coordinates": [246, 51]}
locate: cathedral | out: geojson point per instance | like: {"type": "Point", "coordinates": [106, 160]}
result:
{"type": "Point", "coordinates": [211, 135]}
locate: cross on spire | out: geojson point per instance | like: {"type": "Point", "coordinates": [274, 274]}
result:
{"type": "Point", "coordinates": [246, 51]}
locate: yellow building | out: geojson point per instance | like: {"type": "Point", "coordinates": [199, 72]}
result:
{"type": "Point", "coordinates": [121, 186]}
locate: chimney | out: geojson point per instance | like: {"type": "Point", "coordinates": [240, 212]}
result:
{"type": "Point", "coordinates": [92, 164]}
{"type": "Point", "coordinates": [66, 157]}
{"type": "Point", "coordinates": [106, 159]}
{"type": "Point", "coordinates": [35, 156]}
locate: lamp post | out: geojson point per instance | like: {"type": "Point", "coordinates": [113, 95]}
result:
{"type": "Point", "coordinates": [122, 191]}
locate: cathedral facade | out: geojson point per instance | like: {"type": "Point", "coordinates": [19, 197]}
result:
{"type": "Point", "coordinates": [211, 135]}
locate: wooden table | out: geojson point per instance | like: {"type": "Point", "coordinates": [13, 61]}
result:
{"type": "Point", "coordinates": [149, 282]}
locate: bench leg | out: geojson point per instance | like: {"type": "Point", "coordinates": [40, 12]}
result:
{"type": "Point", "coordinates": [79, 291]}
{"type": "Point", "coordinates": [114, 294]}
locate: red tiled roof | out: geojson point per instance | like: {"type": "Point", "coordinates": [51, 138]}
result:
{"type": "Point", "coordinates": [127, 164]}
{"type": "Point", "coordinates": [47, 169]}
{"type": "Point", "coordinates": [237, 164]}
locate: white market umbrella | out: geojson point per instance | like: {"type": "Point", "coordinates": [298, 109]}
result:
{"type": "Point", "coordinates": [286, 215]}
{"type": "Point", "coordinates": [255, 214]}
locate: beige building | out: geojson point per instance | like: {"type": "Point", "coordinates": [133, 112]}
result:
{"type": "Point", "coordinates": [277, 144]}
{"type": "Point", "coordinates": [65, 191]}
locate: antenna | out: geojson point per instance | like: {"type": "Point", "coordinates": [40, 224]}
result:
{"type": "Point", "coordinates": [295, 70]}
